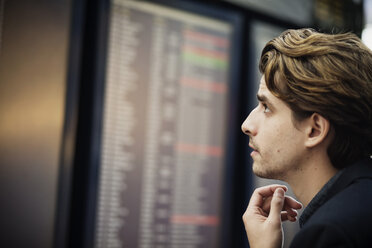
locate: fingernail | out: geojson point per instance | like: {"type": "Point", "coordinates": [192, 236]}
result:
{"type": "Point", "coordinates": [279, 192]}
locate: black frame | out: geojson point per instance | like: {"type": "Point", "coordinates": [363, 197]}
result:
{"type": "Point", "coordinates": [80, 141]}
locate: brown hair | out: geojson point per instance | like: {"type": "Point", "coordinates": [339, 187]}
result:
{"type": "Point", "coordinates": [330, 75]}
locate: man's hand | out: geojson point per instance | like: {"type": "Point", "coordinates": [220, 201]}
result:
{"type": "Point", "coordinates": [263, 218]}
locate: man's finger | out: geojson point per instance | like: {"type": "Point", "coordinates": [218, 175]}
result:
{"type": "Point", "coordinates": [285, 216]}
{"type": "Point", "coordinates": [260, 193]}
{"type": "Point", "coordinates": [277, 203]}
{"type": "Point", "coordinates": [292, 203]}
{"type": "Point", "coordinates": [292, 212]}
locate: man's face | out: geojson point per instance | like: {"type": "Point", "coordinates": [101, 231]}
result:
{"type": "Point", "coordinates": [278, 146]}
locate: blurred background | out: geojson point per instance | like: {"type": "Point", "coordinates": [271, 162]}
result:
{"type": "Point", "coordinates": [120, 120]}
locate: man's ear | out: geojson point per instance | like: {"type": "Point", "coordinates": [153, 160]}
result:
{"type": "Point", "coordinates": [317, 130]}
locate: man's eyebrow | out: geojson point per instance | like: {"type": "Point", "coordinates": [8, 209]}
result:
{"type": "Point", "coordinates": [263, 98]}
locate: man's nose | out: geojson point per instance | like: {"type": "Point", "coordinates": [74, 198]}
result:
{"type": "Point", "coordinates": [247, 126]}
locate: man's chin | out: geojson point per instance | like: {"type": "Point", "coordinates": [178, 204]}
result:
{"type": "Point", "coordinates": [258, 172]}
{"type": "Point", "coordinates": [263, 174]}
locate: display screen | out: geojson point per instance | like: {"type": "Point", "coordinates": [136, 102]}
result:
{"type": "Point", "coordinates": [164, 137]}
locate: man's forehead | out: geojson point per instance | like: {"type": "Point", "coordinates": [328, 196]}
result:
{"type": "Point", "coordinates": [264, 92]}
{"type": "Point", "coordinates": [262, 87]}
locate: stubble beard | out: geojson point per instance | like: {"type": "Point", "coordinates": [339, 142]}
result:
{"type": "Point", "coordinates": [264, 170]}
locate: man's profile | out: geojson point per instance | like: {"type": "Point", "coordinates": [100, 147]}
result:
{"type": "Point", "coordinates": [312, 128]}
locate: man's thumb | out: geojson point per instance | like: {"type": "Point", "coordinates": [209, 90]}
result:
{"type": "Point", "coordinates": [277, 203]}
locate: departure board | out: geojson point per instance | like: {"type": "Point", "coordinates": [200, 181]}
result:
{"type": "Point", "coordinates": [163, 151]}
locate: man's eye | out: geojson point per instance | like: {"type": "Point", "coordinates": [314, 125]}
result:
{"type": "Point", "coordinates": [266, 108]}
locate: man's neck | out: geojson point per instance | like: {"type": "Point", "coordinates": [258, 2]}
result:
{"type": "Point", "coordinates": [308, 180]}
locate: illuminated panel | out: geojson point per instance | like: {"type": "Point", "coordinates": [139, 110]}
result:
{"type": "Point", "coordinates": [164, 128]}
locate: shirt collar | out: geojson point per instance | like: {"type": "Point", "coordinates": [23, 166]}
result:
{"type": "Point", "coordinates": [359, 170]}
{"type": "Point", "coordinates": [319, 199]}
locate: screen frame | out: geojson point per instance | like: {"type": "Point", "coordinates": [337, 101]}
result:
{"type": "Point", "coordinates": [80, 159]}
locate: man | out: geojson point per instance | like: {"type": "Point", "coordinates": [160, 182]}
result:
{"type": "Point", "coordinates": [312, 128]}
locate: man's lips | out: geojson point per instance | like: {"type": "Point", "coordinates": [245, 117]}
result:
{"type": "Point", "coordinates": [255, 150]}
{"type": "Point", "coordinates": [253, 147]}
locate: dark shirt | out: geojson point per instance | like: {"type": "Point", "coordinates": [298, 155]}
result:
{"type": "Point", "coordinates": [340, 215]}
{"type": "Point", "coordinates": [318, 200]}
